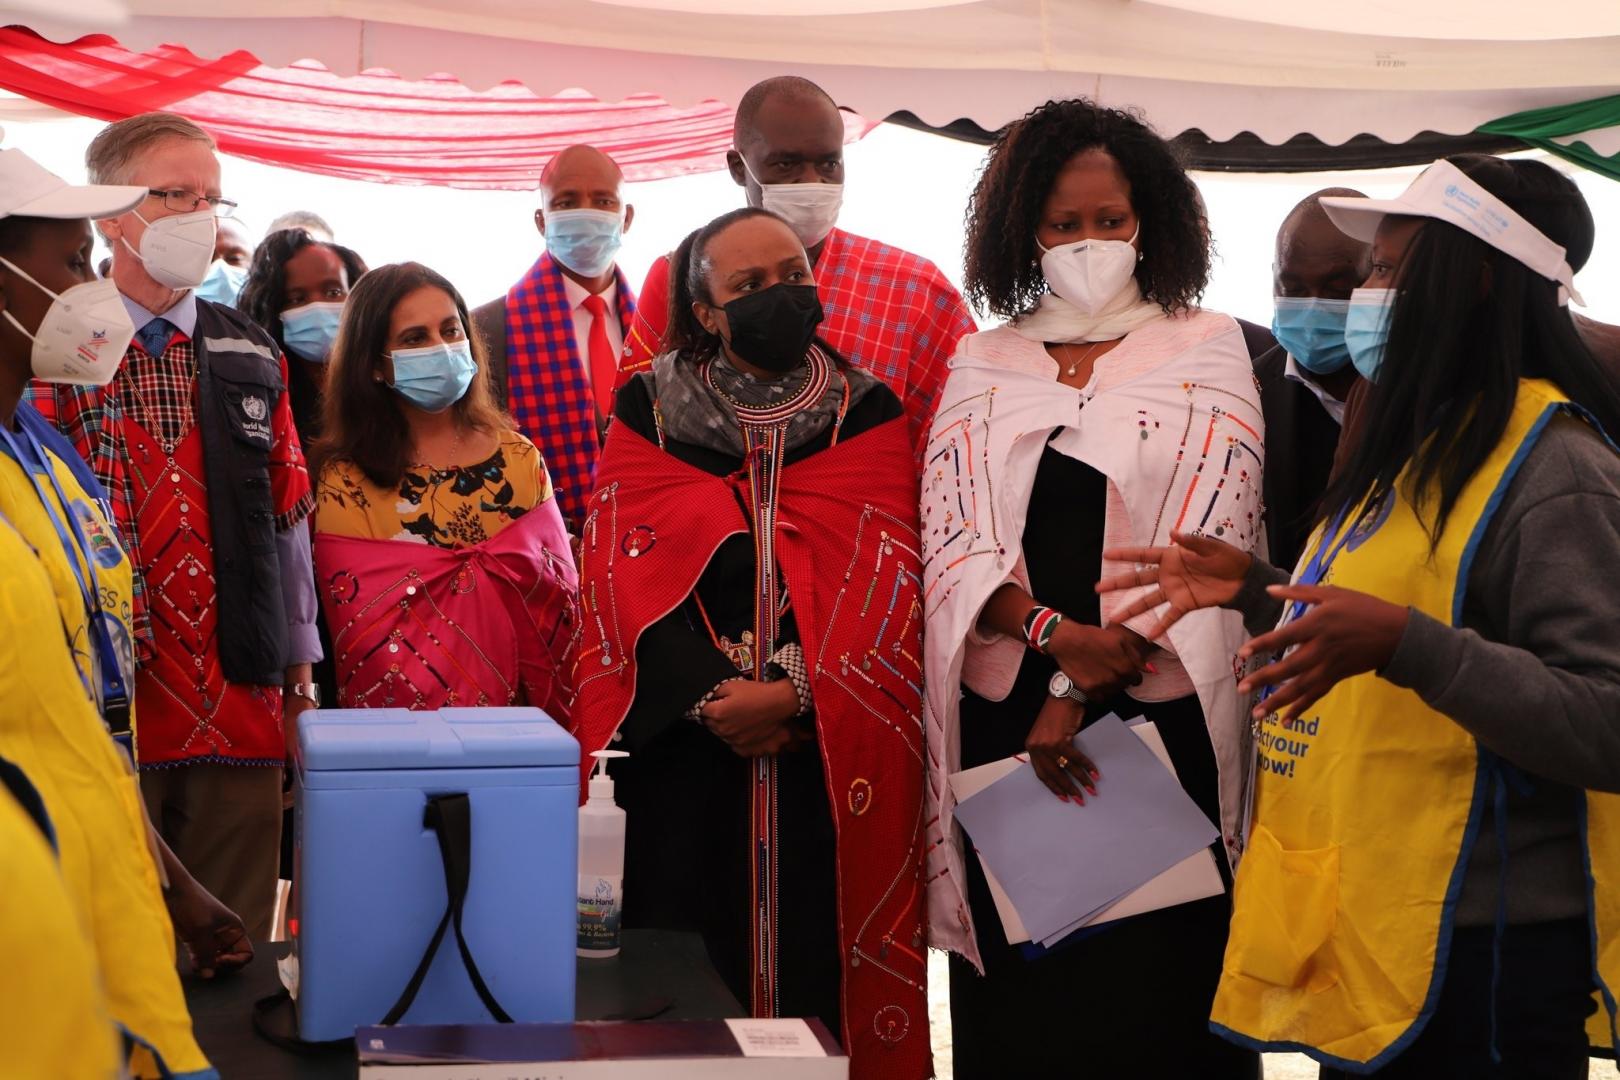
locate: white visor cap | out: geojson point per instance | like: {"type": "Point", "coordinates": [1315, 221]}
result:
{"type": "Point", "coordinates": [1446, 193]}
{"type": "Point", "coordinates": [28, 189]}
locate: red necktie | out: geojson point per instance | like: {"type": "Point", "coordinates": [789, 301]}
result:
{"type": "Point", "coordinates": [604, 363]}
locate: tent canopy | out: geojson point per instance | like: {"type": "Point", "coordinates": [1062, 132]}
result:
{"type": "Point", "coordinates": [1229, 70]}
{"type": "Point", "coordinates": [371, 126]}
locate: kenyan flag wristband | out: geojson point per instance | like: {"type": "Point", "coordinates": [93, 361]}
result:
{"type": "Point", "coordinates": [1039, 626]}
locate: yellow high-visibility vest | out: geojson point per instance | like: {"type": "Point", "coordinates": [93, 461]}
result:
{"type": "Point", "coordinates": [105, 562]}
{"type": "Point", "coordinates": [1366, 811]}
{"type": "Point", "coordinates": [50, 728]}
{"type": "Point", "coordinates": [55, 1022]}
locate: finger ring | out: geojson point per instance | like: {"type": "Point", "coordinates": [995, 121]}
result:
{"type": "Point", "coordinates": [1063, 762]}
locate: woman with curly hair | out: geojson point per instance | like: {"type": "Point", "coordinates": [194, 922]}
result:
{"type": "Point", "coordinates": [295, 289]}
{"type": "Point", "coordinates": [444, 570]}
{"type": "Point", "coordinates": [1111, 405]}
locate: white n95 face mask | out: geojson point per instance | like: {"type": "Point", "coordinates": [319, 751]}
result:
{"type": "Point", "coordinates": [83, 336]}
{"type": "Point", "coordinates": [177, 251]}
{"type": "Point", "coordinates": [1090, 274]}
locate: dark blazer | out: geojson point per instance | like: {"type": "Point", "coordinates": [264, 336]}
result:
{"type": "Point", "coordinates": [1301, 439]}
{"type": "Point", "coordinates": [490, 322]}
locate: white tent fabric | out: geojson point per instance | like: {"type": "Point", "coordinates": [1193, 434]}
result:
{"type": "Point", "coordinates": [984, 60]}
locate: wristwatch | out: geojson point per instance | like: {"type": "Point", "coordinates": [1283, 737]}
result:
{"type": "Point", "coordinates": [310, 692]}
{"type": "Point", "coordinates": [1062, 686]}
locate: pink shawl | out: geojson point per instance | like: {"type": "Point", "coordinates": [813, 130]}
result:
{"type": "Point", "coordinates": [421, 627]}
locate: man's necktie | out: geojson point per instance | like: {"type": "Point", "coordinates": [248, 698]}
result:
{"type": "Point", "coordinates": [604, 363]}
{"type": "Point", "coordinates": [154, 336]}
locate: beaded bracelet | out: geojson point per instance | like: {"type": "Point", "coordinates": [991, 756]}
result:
{"type": "Point", "coordinates": [695, 713]}
{"type": "Point", "coordinates": [790, 660]}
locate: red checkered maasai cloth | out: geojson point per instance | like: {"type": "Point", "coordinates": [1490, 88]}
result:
{"type": "Point", "coordinates": [93, 418]}
{"type": "Point", "coordinates": [548, 387]}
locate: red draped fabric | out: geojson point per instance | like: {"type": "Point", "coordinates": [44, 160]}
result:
{"type": "Point", "coordinates": [848, 546]}
{"type": "Point", "coordinates": [371, 126]}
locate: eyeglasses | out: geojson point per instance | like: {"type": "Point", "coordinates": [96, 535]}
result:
{"type": "Point", "coordinates": [182, 201]}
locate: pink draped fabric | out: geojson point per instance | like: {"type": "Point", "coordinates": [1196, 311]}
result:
{"type": "Point", "coordinates": [421, 627]}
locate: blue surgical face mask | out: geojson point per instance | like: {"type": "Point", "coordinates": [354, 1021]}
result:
{"type": "Point", "coordinates": [1366, 329]}
{"type": "Point", "coordinates": [585, 241]}
{"type": "Point", "coordinates": [1312, 330]}
{"type": "Point", "coordinates": [223, 283]}
{"type": "Point", "coordinates": [309, 331]}
{"type": "Point", "coordinates": [434, 377]}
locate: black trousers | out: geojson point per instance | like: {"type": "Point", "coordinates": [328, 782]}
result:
{"type": "Point", "coordinates": [1543, 998]}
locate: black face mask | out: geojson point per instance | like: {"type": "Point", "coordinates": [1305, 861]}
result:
{"type": "Point", "coordinates": [772, 329]}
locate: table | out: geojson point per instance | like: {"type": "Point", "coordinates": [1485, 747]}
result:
{"type": "Point", "coordinates": [661, 973]}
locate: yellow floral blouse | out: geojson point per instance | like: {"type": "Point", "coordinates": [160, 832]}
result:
{"type": "Point", "coordinates": [449, 508]}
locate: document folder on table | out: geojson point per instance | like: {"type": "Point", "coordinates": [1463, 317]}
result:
{"type": "Point", "coordinates": [785, 1049]}
{"type": "Point", "coordinates": [1192, 878]}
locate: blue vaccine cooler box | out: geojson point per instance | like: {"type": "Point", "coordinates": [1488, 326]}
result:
{"type": "Point", "coordinates": [395, 812]}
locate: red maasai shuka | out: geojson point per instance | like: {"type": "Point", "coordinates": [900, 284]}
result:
{"type": "Point", "coordinates": [421, 627]}
{"type": "Point", "coordinates": [185, 710]}
{"type": "Point", "coordinates": [848, 549]}
{"type": "Point", "coordinates": [548, 388]}
{"type": "Point", "coordinates": [888, 312]}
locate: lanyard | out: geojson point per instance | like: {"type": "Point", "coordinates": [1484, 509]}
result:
{"type": "Point", "coordinates": [110, 667]}
{"type": "Point", "coordinates": [1322, 560]}
{"type": "Point", "coordinates": [1315, 570]}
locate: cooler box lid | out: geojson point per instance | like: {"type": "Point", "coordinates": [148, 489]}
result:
{"type": "Point", "coordinates": [332, 740]}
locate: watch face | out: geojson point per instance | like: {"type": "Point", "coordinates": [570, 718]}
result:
{"type": "Point", "coordinates": [1060, 684]}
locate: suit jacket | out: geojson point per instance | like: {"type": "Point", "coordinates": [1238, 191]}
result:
{"type": "Point", "coordinates": [1301, 440]}
{"type": "Point", "coordinates": [548, 393]}
{"type": "Point", "coordinates": [490, 320]}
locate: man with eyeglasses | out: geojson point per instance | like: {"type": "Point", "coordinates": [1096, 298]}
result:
{"type": "Point", "coordinates": [886, 309]}
{"type": "Point", "coordinates": [194, 441]}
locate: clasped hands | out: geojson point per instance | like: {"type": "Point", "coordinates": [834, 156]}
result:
{"type": "Point", "coordinates": [1101, 661]}
{"type": "Point", "coordinates": [756, 719]}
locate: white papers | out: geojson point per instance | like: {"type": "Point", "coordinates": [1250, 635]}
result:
{"type": "Point", "coordinates": [776, 1038]}
{"type": "Point", "coordinates": [1193, 877]}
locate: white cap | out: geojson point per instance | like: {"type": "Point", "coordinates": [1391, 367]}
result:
{"type": "Point", "coordinates": [28, 189]}
{"type": "Point", "coordinates": [1446, 193]}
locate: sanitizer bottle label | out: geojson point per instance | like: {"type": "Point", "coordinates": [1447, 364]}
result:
{"type": "Point", "coordinates": [601, 901]}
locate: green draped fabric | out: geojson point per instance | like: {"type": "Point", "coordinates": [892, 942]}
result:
{"type": "Point", "coordinates": [1540, 127]}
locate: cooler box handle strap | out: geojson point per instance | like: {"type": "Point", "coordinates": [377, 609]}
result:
{"type": "Point", "coordinates": [450, 816]}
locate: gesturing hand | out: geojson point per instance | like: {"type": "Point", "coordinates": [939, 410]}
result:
{"type": "Point", "coordinates": [1344, 633]}
{"type": "Point", "coordinates": [1052, 753]}
{"type": "Point", "coordinates": [752, 717]}
{"type": "Point", "coordinates": [1099, 660]}
{"type": "Point", "coordinates": [1193, 573]}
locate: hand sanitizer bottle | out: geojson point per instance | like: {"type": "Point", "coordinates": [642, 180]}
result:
{"type": "Point", "coordinates": [601, 864]}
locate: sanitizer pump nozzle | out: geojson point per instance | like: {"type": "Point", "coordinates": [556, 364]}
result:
{"type": "Point", "coordinates": [601, 863]}
{"type": "Point", "coordinates": [601, 784]}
